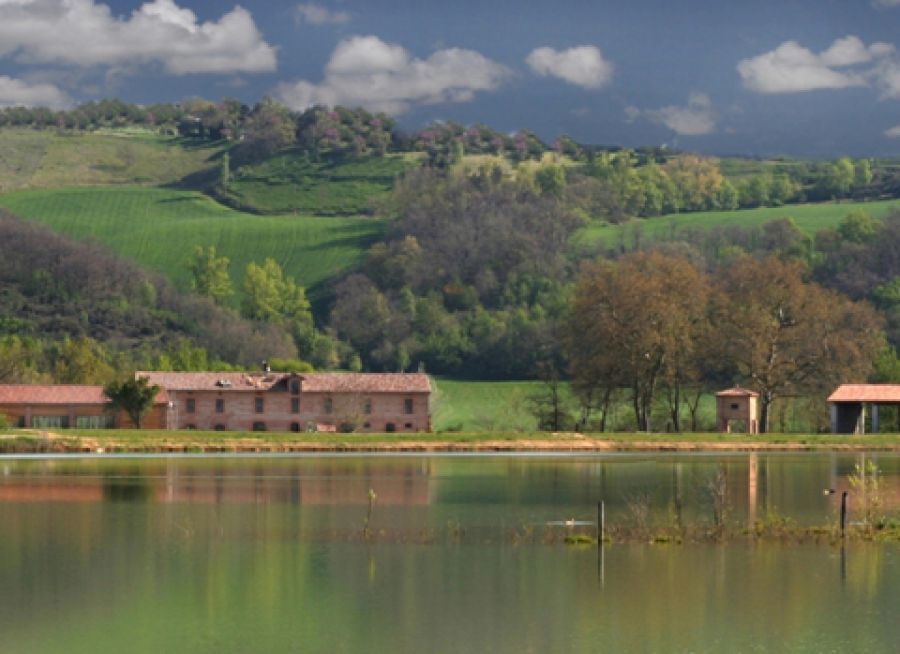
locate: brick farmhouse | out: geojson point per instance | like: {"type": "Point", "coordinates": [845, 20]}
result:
{"type": "Point", "coordinates": [239, 401]}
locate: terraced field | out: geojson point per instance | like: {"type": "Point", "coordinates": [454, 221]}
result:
{"type": "Point", "coordinates": [160, 227]}
{"type": "Point", "coordinates": [809, 217]}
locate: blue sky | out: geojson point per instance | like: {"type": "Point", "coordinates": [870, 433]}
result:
{"type": "Point", "coordinates": [799, 77]}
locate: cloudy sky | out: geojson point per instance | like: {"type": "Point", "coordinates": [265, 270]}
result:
{"type": "Point", "coordinates": [799, 77]}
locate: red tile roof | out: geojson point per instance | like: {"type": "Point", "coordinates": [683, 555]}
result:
{"type": "Point", "coordinates": [866, 393]}
{"type": "Point", "coordinates": [57, 394]}
{"type": "Point", "coordinates": [737, 391]}
{"type": "Point", "coordinates": [315, 382]}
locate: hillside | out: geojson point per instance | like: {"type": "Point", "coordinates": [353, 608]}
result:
{"type": "Point", "coordinates": [159, 228]}
{"type": "Point", "coordinates": [809, 217]}
{"type": "Point", "coordinates": [292, 183]}
{"type": "Point", "coordinates": [32, 158]}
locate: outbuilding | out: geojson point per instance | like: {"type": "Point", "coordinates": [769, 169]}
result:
{"type": "Point", "coordinates": [849, 404]}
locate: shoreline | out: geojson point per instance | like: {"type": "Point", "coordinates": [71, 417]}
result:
{"type": "Point", "coordinates": [120, 442]}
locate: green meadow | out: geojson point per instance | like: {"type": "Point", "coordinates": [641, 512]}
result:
{"type": "Point", "coordinates": [159, 229]}
{"type": "Point", "coordinates": [292, 183]}
{"type": "Point", "coordinates": [809, 217]}
{"type": "Point", "coordinates": [47, 159]}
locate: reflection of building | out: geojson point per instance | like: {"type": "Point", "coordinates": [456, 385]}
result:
{"type": "Point", "coordinates": [325, 485]}
{"type": "Point", "coordinates": [238, 401]}
{"type": "Point", "coordinates": [67, 406]}
{"type": "Point", "coordinates": [849, 401]}
{"type": "Point", "coordinates": [736, 408]}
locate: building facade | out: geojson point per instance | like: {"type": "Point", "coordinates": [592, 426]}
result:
{"type": "Point", "coordinates": [270, 401]}
{"type": "Point", "coordinates": [65, 406]}
{"type": "Point", "coordinates": [238, 401]}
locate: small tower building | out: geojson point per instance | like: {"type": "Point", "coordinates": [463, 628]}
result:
{"type": "Point", "coordinates": [737, 408]}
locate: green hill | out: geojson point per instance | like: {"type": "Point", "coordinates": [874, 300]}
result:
{"type": "Point", "coordinates": [808, 217]}
{"type": "Point", "coordinates": [48, 159]}
{"type": "Point", "coordinates": [159, 228]}
{"type": "Point", "coordinates": [292, 183]}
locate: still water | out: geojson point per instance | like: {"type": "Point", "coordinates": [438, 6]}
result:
{"type": "Point", "coordinates": [265, 554]}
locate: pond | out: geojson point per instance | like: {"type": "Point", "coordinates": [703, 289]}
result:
{"type": "Point", "coordinates": [268, 554]}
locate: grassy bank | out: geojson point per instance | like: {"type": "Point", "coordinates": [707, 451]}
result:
{"type": "Point", "coordinates": [47, 159]}
{"type": "Point", "coordinates": [809, 217]}
{"type": "Point", "coordinates": [112, 441]}
{"type": "Point", "coordinates": [292, 183]}
{"type": "Point", "coordinates": [159, 228]}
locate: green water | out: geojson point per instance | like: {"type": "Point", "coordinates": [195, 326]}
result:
{"type": "Point", "coordinates": [267, 555]}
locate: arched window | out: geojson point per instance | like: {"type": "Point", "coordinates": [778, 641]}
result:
{"type": "Point", "coordinates": [259, 426]}
{"type": "Point", "coordinates": [295, 426]}
{"type": "Point", "coordinates": [390, 427]}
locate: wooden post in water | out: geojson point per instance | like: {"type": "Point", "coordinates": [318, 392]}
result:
{"type": "Point", "coordinates": [601, 515]}
{"type": "Point", "coordinates": [843, 512]}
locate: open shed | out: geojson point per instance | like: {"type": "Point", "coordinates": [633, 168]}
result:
{"type": "Point", "coordinates": [849, 404]}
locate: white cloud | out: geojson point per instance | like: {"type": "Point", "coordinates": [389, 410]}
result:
{"type": "Point", "coordinates": [314, 14]}
{"type": "Point", "coordinates": [887, 76]}
{"type": "Point", "coordinates": [694, 119]}
{"type": "Point", "coordinates": [791, 68]}
{"type": "Point", "coordinates": [19, 93]}
{"type": "Point", "coordinates": [893, 132]}
{"type": "Point", "coordinates": [582, 66]}
{"type": "Point", "coordinates": [885, 4]}
{"type": "Point", "coordinates": [86, 33]}
{"type": "Point", "coordinates": [366, 71]}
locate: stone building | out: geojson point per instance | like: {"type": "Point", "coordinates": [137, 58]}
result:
{"type": "Point", "coordinates": [238, 401]}
{"type": "Point", "coordinates": [271, 401]}
{"type": "Point", "coordinates": [736, 409]}
{"type": "Point", "coordinates": [63, 406]}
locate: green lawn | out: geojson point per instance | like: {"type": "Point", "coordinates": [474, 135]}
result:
{"type": "Point", "coordinates": [291, 182]}
{"type": "Point", "coordinates": [809, 217]}
{"type": "Point", "coordinates": [159, 228]}
{"type": "Point", "coordinates": [47, 159]}
{"type": "Point", "coordinates": [483, 405]}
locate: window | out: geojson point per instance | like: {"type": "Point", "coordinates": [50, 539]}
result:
{"type": "Point", "coordinates": [408, 425]}
{"type": "Point", "coordinates": [260, 405]}
{"type": "Point", "coordinates": [220, 405]}
{"type": "Point", "coordinates": [50, 422]}
{"type": "Point", "coordinates": [295, 387]}
{"type": "Point", "coordinates": [408, 406]}
{"type": "Point", "coordinates": [295, 426]}
{"type": "Point", "coordinates": [295, 405]}
{"type": "Point", "coordinates": [220, 427]}
{"type": "Point", "coordinates": [259, 426]}
{"type": "Point", "coordinates": [95, 422]}
{"type": "Point", "coordinates": [191, 405]}
{"type": "Point", "coordinates": [329, 405]}
{"type": "Point", "coordinates": [734, 407]}
{"type": "Point", "coordinates": [390, 427]}
{"type": "Point", "coordinates": [367, 425]}
{"type": "Point", "coordinates": [367, 406]}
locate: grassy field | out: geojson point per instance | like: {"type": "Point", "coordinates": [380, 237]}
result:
{"type": "Point", "coordinates": [483, 406]}
{"type": "Point", "coordinates": [159, 228]}
{"type": "Point", "coordinates": [47, 159]}
{"type": "Point", "coordinates": [291, 182]}
{"type": "Point", "coordinates": [809, 217]}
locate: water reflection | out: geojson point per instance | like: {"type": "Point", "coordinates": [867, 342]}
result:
{"type": "Point", "coordinates": [218, 556]}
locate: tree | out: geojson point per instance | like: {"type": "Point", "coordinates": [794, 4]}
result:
{"type": "Point", "coordinates": [81, 361]}
{"type": "Point", "coordinates": [133, 396]}
{"type": "Point", "coordinates": [209, 274]}
{"type": "Point", "coordinates": [782, 335]}
{"type": "Point", "coordinates": [633, 325]}
{"type": "Point", "coordinates": [271, 297]}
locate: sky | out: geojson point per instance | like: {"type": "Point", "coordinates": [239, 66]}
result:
{"type": "Point", "coordinates": [813, 78]}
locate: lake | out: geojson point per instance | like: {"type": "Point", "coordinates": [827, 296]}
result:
{"type": "Point", "coordinates": [267, 554]}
